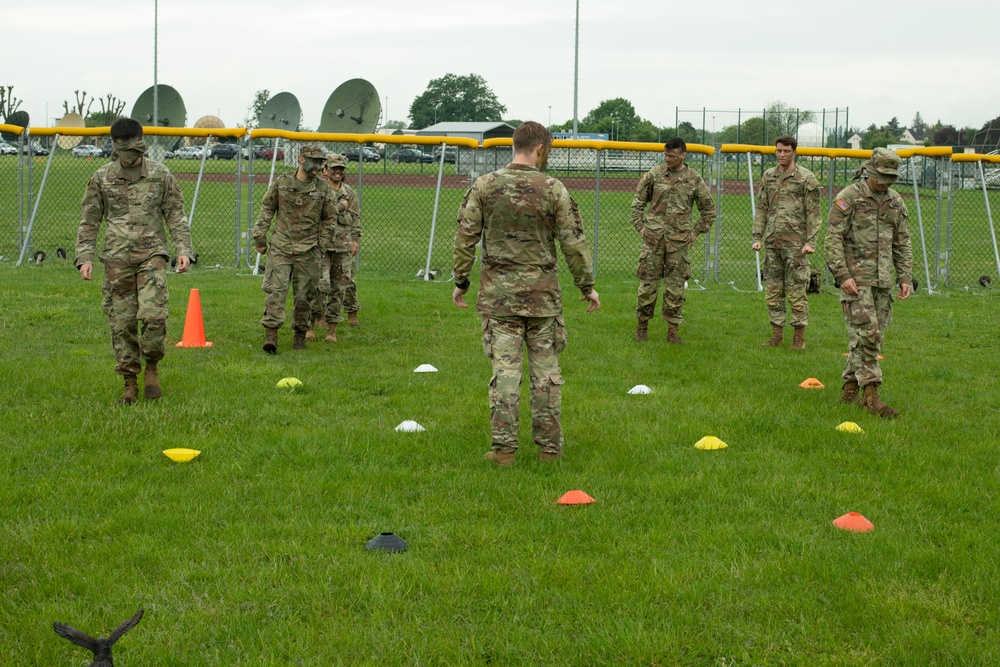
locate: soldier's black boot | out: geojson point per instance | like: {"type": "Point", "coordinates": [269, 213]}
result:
{"type": "Point", "coordinates": [777, 337]}
{"type": "Point", "coordinates": [151, 381]}
{"type": "Point", "coordinates": [131, 391]}
{"type": "Point", "coordinates": [875, 405]}
{"type": "Point", "coordinates": [270, 340]}
{"type": "Point", "coordinates": [299, 341]}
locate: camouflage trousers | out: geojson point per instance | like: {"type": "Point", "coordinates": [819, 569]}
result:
{"type": "Point", "coordinates": [786, 274]}
{"type": "Point", "coordinates": [667, 260]}
{"type": "Point", "coordinates": [504, 340]}
{"type": "Point", "coordinates": [133, 292]}
{"type": "Point", "coordinates": [867, 315]}
{"type": "Point", "coordinates": [301, 273]}
{"type": "Point", "coordinates": [336, 288]}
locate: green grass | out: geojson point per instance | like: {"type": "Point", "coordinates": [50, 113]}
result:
{"type": "Point", "coordinates": [254, 552]}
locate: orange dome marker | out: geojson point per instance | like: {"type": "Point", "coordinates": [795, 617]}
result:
{"type": "Point", "coordinates": [854, 522]}
{"type": "Point", "coordinates": [880, 357]}
{"type": "Point", "coordinates": [575, 498]}
{"type": "Point", "coordinates": [811, 383]}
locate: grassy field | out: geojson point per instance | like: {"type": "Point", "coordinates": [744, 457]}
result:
{"type": "Point", "coordinates": [253, 553]}
{"type": "Point", "coordinates": [397, 220]}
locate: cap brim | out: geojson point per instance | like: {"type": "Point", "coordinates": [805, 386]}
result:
{"type": "Point", "coordinates": [886, 179]}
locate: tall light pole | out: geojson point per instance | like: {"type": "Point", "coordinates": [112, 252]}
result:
{"type": "Point", "coordinates": [576, 69]}
{"type": "Point", "coordinates": [156, 90]}
{"type": "Point", "coordinates": [550, 115]}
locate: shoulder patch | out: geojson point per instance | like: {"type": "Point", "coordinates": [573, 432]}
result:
{"type": "Point", "coordinates": [841, 204]}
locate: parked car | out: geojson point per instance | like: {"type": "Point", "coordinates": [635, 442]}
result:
{"type": "Point", "coordinates": [450, 154]}
{"type": "Point", "coordinates": [106, 149]}
{"type": "Point", "coordinates": [412, 155]}
{"type": "Point", "coordinates": [86, 150]}
{"type": "Point", "coordinates": [257, 151]}
{"type": "Point", "coordinates": [223, 151]}
{"type": "Point", "coordinates": [189, 153]}
{"type": "Point", "coordinates": [36, 149]}
{"type": "Point", "coordinates": [353, 154]}
{"type": "Point", "coordinates": [7, 149]}
{"type": "Point", "coordinates": [268, 154]}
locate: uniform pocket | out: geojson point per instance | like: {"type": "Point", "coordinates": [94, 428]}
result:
{"type": "Point", "coordinates": [487, 339]}
{"type": "Point", "coordinates": [559, 335]}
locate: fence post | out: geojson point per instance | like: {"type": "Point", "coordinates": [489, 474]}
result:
{"type": "Point", "coordinates": [989, 215]}
{"type": "Point", "coordinates": [238, 194]}
{"type": "Point", "coordinates": [947, 232]}
{"type": "Point", "coordinates": [38, 199]}
{"type": "Point", "coordinates": [920, 224]}
{"type": "Point", "coordinates": [718, 211]}
{"type": "Point", "coordinates": [437, 200]}
{"type": "Point", "coordinates": [753, 211]}
{"type": "Point", "coordinates": [597, 205]}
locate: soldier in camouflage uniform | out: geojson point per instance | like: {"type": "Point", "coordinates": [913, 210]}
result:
{"type": "Point", "coordinates": [787, 222]}
{"type": "Point", "coordinates": [866, 238]}
{"type": "Point", "coordinates": [340, 246]}
{"type": "Point", "coordinates": [670, 190]}
{"type": "Point", "coordinates": [140, 199]}
{"type": "Point", "coordinates": [520, 214]}
{"type": "Point", "coordinates": [305, 209]}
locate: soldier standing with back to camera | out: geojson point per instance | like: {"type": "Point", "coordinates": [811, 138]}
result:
{"type": "Point", "coordinates": [867, 236]}
{"type": "Point", "coordinates": [304, 208]}
{"type": "Point", "coordinates": [520, 214]}
{"type": "Point", "coordinates": [670, 190]}
{"type": "Point", "coordinates": [787, 221]}
{"type": "Point", "coordinates": [140, 199]}
{"type": "Point", "coordinates": [340, 247]}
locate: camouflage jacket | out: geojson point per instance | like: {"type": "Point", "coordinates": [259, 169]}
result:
{"type": "Point", "coordinates": [339, 237]}
{"type": "Point", "coordinates": [303, 211]}
{"type": "Point", "coordinates": [671, 196]}
{"type": "Point", "coordinates": [138, 215]}
{"type": "Point", "coordinates": [787, 214]}
{"type": "Point", "coordinates": [866, 237]}
{"type": "Point", "coordinates": [520, 213]}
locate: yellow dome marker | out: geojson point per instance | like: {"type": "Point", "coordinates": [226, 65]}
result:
{"type": "Point", "coordinates": [181, 455]}
{"type": "Point", "coordinates": [811, 383]}
{"type": "Point", "coordinates": [289, 383]}
{"type": "Point", "coordinates": [850, 427]}
{"type": "Point", "coordinates": [710, 442]}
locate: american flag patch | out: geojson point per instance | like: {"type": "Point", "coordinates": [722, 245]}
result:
{"type": "Point", "coordinates": [841, 204]}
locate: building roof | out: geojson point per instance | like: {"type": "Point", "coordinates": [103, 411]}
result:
{"type": "Point", "coordinates": [457, 126]}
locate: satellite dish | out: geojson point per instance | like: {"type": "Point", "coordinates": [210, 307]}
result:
{"type": "Point", "coordinates": [353, 108]}
{"type": "Point", "coordinates": [70, 120]}
{"type": "Point", "coordinates": [281, 112]}
{"type": "Point", "coordinates": [170, 108]}
{"type": "Point", "coordinates": [206, 122]}
{"type": "Point", "coordinates": [19, 118]}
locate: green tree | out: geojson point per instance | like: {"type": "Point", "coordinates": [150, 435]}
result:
{"type": "Point", "coordinates": [8, 102]}
{"type": "Point", "coordinates": [917, 125]}
{"type": "Point", "coordinates": [395, 125]}
{"type": "Point", "coordinates": [513, 122]}
{"type": "Point", "coordinates": [875, 138]}
{"type": "Point", "coordinates": [946, 136]}
{"type": "Point", "coordinates": [111, 109]}
{"type": "Point", "coordinates": [783, 119]}
{"type": "Point", "coordinates": [252, 117]}
{"type": "Point", "coordinates": [456, 98]}
{"type": "Point", "coordinates": [79, 108]}
{"type": "Point", "coordinates": [616, 118]}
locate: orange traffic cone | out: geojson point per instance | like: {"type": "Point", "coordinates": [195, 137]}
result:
{"type": "Point", "coordinates": [88, 158]}
{"type": "Point", "coordinates": [575, 498]}
{"type": "Point", "coordinates": [854, 522]}
{"type": "Point", "coordinates": [194, 327]}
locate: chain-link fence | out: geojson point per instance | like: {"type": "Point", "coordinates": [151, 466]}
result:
{"type": "Point", "coordinates": [410, 193]}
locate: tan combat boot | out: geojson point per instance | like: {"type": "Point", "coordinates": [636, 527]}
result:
{"type": "Point", "coordinates": [352, 319]}
{"type": "Point", "coordinates": [331, 333]}
{"type": "Point", "coordinates": [501, 459]}
{"type": "Point", "coordinates": [299, 341]}
{"type": "Point", "coordinates": [777, 337]}
{"type": "Point", "coordinates": [270, 340]}
{"type": "Point", "coordinates": [850, 394]}
{"type": "Point", "coordinates": [546, 457]}
{"type": "Point", "coordinates": [131, 390]}
{"type": "Point", "coordinates": [151, 381]}
{"type": "Point", "coordinates": [642, 331]}
{"type": "Point", "coordinates": [672, 336]}
{"type": "Point", "coordinates": [875, 405]}
{"type": "Point", "coordinates": [311, 332]}
{"type": "Point", "coordinates": [799, 341]}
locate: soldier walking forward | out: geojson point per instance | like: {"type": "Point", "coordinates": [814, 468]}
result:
{"type": "Point", "coordinates": [866, 238]}
{"type": "Point", "coordinates": [304, 209]}
{"type": "Point", "coordinates": [520, 214]}
{"type": "Point", "coordinates": [140, 199]}
{"type": "Point", "coordinates": [340, 246]}
{"type": "Point", "coordinates": [670, 190]}
{"type": "Point", "coordinates": [787, 222]}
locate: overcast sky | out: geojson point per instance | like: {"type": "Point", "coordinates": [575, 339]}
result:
{"type": "Point", "coordinates": [879, 59]}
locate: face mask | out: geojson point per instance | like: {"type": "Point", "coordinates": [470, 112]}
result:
{"type": "Point", "coordinates": [128, 150]}
{"type": "Point", "coordinates": [309, 165]}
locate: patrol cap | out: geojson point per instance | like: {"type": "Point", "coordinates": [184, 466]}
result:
{"type": "Point", "coordinates": [884, 165]}
{"type": "Point", "coordinates": [312, 152]}
{"type": "Point", "coordinates": [335, 160]}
